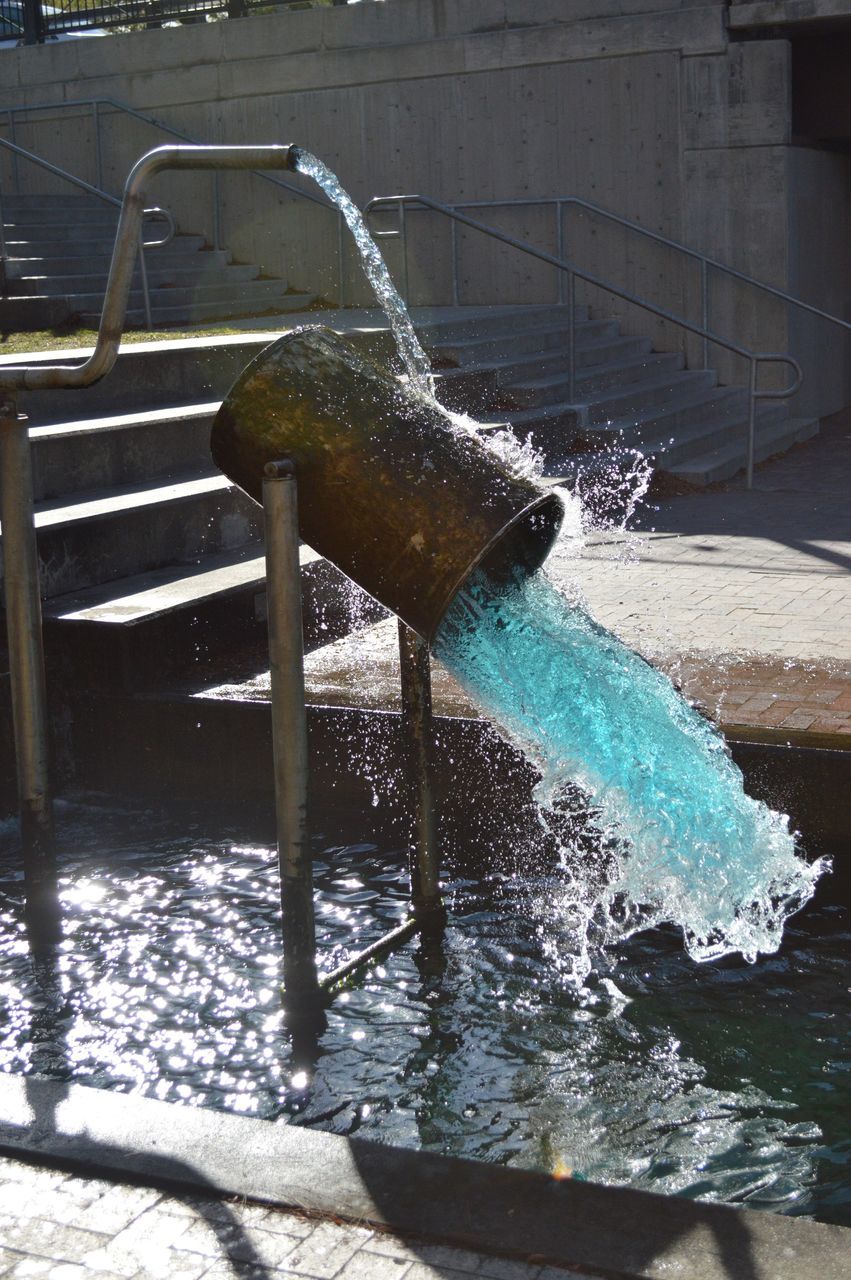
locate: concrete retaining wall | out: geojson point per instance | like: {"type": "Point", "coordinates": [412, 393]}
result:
{"type": "Point", "coordinates": [642, 106]}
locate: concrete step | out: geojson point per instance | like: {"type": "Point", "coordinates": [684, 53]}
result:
{"type": "Point", "coordinates": [115, 533]}
{"type": "Point", "coordinates": [166, 259]}
{"type": "Point", "coordinates": [727, 460]}
{"type": "Point", "coordinates": [498, 323]}
{"type": "Point", "coordinates": [181, 275]}
{"type": "Point", "coordinates": [708, 433]}
{"type": "Point", "coordinates": [607, 348]}
{"type": "Point", "coordinates": [603, 392]}
{"type": "Point", "coordinates": [93, 246]}
{"type": "Point", "coordinates": [147, 375]}
{"type": "Point", "coordinates": [78, 201]}
{"type": "Point", "coordinates": [181, 621]}
{"type": "Point", "coordinates": [258, 293]}
{"type": "Point", "coordinates": [200, 312]}
{"type": "Point", "coordinates": [638, 403]}
{"type": "Point", "coordinates": [541, 332]}
{"type": "Point", "coordinates": [123, 449]}
{"type": "Point", "coordinates": [19, 315]}
{"type": "Point", "coordinates": [53, 226]}
{"type": "Point", "coordinates": [671, 413]}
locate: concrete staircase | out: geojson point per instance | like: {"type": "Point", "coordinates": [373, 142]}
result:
{"type": "Point", "coordinates": [627, 397]}
{"type": "Point", "coordinates": [59, 255]}
{"type": "Point", "coordinates": [151, 561]}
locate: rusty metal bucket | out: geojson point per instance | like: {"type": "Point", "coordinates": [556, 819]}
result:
{"type": "Point", "coordinates": [390, 490]}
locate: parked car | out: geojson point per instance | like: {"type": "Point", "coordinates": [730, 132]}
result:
{"type": "Point", "coordinates": [12, 24]}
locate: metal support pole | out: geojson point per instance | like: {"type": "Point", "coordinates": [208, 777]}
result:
{"type": "Point", "coordinates": [289, 736]}
{"type": "Point", "coordinates": [571, 336]}
{"type": "Point", "coordinates": [341, 259]}
{"type": "Point", "coordinates": [217, 212]}
{"type": "Point", "coordinates": [751, 421]}
{"type": "Point", "coordinates": [26, 656]}
{"type": "Point", "coordinates": [560, 248]}
{"type": "Point", "coordinates": [454, 238]}
{"type": "Point", "coordinates": [403, 233]}
{"type": "Point", "coordinates": [704, 309]}
{"type": "Point", "coordinates": [98, 148]}
{"type": "Point", "coordinates": [417, 728]}
{"type": "Point", "coordinates": [146, 292]}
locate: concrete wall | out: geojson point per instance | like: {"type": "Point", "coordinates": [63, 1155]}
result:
{"type": "Point", "coordinates": [642, 106]}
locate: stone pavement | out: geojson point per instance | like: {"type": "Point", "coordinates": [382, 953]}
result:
{"type": "Point", "coordinates": [744, 597]}
{"type": "Point", "coordinates": [63, 1227]}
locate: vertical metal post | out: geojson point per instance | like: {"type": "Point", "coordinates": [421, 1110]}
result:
{"type": "Point", "coordinates": [217, 213]}
{"type": "Point", "coordinates": [571, 335]}
{"type": "Point", "coordinates": [418, 732]}
{"type": "Point", "coordinates": [26, 655]}
{"type": "Point", "coordinates": [16, 182]}
{"type": "Point", "coordinates": [751, 421]}
{"type": "Point", "coordinates": [4, 253]}
{"type": "Point", "coordinates": [560, 248]}
{"type": "Point", "coordinates": [704, 308]}
{"type": "Point", "coordinates": [289, 735]}
{"type": "Point", "coordinates": [143, 272]}
{"type": "Point", "coordinates": [454, 235]}
{"type": "Point", "coordinates": [403, 233]}
{"type": "Point", "coordinates": [98, 150]}
{"type": "Point", "coordinates": [341, 258]}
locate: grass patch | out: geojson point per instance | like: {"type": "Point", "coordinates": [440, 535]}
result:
{"type": "Point", "coordinates": [12, 344]}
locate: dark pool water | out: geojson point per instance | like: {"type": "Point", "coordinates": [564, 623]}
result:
{"type": "Point", "coordinates": [725, 1082]}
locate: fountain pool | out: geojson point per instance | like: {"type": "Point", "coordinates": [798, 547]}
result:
{"type": "Point", "coordinates": [722, 1081]}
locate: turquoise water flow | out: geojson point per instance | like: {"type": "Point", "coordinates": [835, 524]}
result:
{"type": "Point", "coordinates": [680, 841]}
{"type": "Point", "coordinates": [683, 842]}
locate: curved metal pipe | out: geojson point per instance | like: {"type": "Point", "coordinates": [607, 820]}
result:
{"type": "Point", "coordinates": [35, 377]}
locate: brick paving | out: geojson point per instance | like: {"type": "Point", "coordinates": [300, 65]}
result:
{"type": "Point", "coordinates": [63, 1227]}
{"type": "Point", "coordinates": [744, 597]}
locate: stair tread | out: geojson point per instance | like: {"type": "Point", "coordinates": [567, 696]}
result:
{"type": "Point", "coordinates": [788, 428]}
{"type": "Point", "coordinates": [177, 413]}
{"type": "Point", "coordinates": [641, 360]}
{"type": "Point", "coordinates": [127, 601]}
{"type": "Point", "coordinates": [127, 498]}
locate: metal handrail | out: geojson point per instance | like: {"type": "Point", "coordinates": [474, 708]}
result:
{"type": "Point", "coordinates": [572, 272]}
{"type": "Point", "coordinates": [559, 203]}
{"type": "Point", "coordinates": [95, 105]}
{"type": "Point", "coordinates": [23, 602]}
{"type": "Point", "coordinates": [153, 212]}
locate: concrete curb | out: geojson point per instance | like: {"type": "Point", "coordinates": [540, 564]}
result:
{"type": "Point", "coordinates": [615, 1231]}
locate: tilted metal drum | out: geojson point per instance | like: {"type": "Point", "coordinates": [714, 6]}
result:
{"type": "Point", "coordinates": [391, 491]}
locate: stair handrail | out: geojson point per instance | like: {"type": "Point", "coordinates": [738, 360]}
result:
{"type": "Point", "coordinates": [95, 105]}
{"type": "Point", "coordinates": [559, 203]}
{"type": "Point", "coordinates": [153, 211]}
{"type": "Point", "coordinates": [754, 358]}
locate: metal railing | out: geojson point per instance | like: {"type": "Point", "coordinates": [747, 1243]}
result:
{"type": "Point", "coordinates": [96, 107]}
{"type": "Point", "coordinates": [41, 22]}
{"type": "Point", "coordinates": [569, 273]}
{"type": "Point", "coordinates": [153, 212]}
{"type": "Point", "coordinates": [303, 992]}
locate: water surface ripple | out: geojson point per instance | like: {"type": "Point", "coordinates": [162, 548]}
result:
{"type": "Point", "coordinates": [724, 1081]}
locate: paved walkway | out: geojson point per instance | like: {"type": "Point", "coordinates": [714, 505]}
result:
{"type": "Point", "coordinates": [61, 1227]}
{"type": "Point", "coordinates": [745, 597]}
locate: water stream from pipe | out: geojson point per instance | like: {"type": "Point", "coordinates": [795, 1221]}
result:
{"type": "Point", "coordinates": [679, 840]}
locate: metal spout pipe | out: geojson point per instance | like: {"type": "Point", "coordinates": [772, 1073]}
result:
{"type": "Point", "coordinates": [23, 603]}
{"type": "Point", "coordinates": [39, 377]}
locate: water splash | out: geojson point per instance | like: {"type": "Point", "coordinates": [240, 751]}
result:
{"type": "Point", "coordinates": [679, 840]}
{"type": "Point", "coordinates": [416, 361]}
